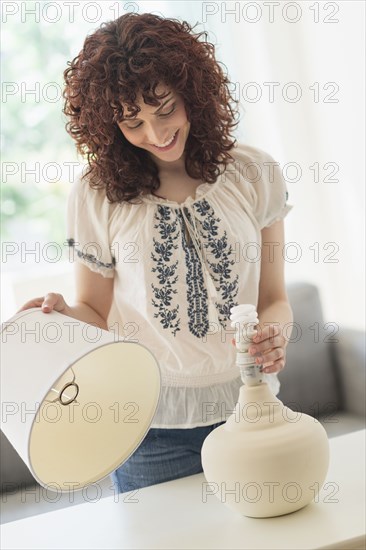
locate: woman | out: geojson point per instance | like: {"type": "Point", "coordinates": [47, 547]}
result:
{"type": "Point", "coordinates": [167, 223]}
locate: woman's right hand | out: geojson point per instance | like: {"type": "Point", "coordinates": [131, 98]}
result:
{"type": "Point", "coordinates": [47, 303]}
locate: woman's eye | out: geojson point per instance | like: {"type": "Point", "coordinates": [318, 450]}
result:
{"type": "Point", "coordinates": [170, 112]}
{"type": "Point", "coordinates": [162, 115]}
{"type": "Point", "coordinates": [133, 127]}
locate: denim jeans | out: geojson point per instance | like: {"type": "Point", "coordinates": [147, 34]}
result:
{"type": "Point", "coordinates": [163, 455]}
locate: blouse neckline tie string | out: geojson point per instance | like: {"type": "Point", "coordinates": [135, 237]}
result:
{"type": "Point", "coordinates": [212, 292]}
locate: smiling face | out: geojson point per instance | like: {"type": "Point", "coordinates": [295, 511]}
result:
{"type": "Point", "coordinates": [161, 130]}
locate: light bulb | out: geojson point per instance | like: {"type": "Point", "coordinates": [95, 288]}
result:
{"type": "Point", "coordinates": [245, 319]}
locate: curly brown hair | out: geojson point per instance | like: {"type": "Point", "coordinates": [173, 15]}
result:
{"type": "Point", "coordinates": [132, 55]}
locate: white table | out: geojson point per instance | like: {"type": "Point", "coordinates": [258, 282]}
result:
{"type": "Point", "coordinates": [173, 515]}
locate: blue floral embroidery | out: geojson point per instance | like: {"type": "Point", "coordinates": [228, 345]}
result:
{"type": "Point", "coordinates": [197, 296]}
{"type": "Point", "coordinates": [165, 269]}
{"type": "Point", "coordinates": [221, 253]}
{"type": "Point", "coordinates": [90, 257]}
{"type": "Point", "coordinates": [218, 249]}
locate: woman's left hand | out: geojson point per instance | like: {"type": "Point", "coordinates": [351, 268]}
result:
{"type": "Point", "coordinates": [269, 348]}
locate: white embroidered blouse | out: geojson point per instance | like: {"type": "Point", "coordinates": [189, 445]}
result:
{"type": "Point", "coordinates": [173, 294]}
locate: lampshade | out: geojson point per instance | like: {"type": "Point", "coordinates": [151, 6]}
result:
{"type": "Point", "coordinates": [76, 400]}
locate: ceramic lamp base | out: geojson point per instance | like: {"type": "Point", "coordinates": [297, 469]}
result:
{"type": "Point", "coordinates": [266, 460]}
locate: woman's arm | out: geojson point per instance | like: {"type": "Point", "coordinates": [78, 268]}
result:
{"type": "Point", "coordinates": [274, 310]}
{"type": "Point", "coordinates": [94, 294]}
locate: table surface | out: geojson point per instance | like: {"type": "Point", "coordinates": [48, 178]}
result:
{"type": "Point", "coordinates": [174, 515]}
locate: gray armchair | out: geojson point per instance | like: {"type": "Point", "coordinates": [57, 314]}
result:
{"type": "Point", "coordinates": [325, 367]}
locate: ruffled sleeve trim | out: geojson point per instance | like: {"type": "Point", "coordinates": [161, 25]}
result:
{"type": "Point", "coordinates": [92, 262]}
{"type": "Point", "coordinates": [280, 215]}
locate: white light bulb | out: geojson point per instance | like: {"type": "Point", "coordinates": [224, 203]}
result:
{"type": "Point", "coordinates": [244, 318]}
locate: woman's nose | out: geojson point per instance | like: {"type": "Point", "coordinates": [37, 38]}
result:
{"type": "Point", "coordinates": [155, 135]}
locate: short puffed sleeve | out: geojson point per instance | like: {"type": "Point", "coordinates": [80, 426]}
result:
{"type": "Point", "coordinates": [259, 179]}
{"type": "Point", "coordinates": [87, 225]}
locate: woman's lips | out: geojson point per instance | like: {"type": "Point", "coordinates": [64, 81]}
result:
{"type": "Point", "coordinates": [170, 146]}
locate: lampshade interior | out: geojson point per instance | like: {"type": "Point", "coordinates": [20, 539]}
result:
{"type": "Point", "coordinates": [74, 445]}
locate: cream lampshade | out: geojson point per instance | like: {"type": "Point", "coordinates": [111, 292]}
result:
{"type": "Point", "coordinates": [76, 400]}
{"type": "Point", "coordinates": [266, 460]}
